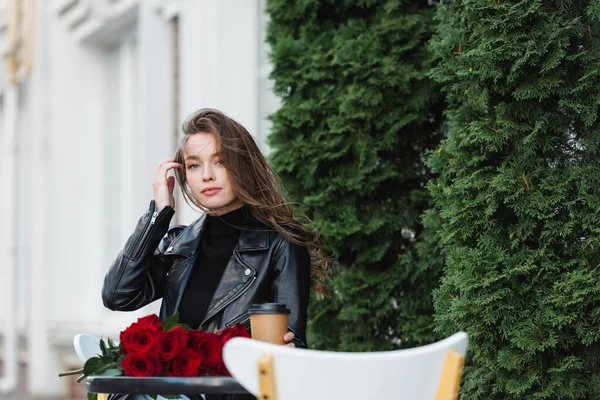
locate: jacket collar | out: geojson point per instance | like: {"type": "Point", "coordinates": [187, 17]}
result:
{"type": "Point", "coordinates": [253, 237]}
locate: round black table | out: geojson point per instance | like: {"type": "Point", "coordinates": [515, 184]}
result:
{"type": "Point", "coordinates": [164, 385]}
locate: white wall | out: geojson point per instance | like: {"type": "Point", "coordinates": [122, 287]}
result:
{"type": "Point", "coordinates": [220, 62]}
{"type": "Point", "coordinates": [94, 118]}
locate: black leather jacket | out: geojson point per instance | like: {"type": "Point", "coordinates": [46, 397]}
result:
{"type": "Point", "coordinates": [157, 261]}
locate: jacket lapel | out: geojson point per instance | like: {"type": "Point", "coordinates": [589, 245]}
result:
{"type": "Point", "coordinates": [186, 244]}
{"type": "Point", "coordinates": [239, 274]}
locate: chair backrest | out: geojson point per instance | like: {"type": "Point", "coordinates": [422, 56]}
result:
{"type": "Point", "coordinates": [411, 374]}
{"type": "Point", "coordinates": [86, 346]}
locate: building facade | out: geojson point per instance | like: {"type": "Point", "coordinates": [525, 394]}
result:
{"type": "Point", "coordinates": [92, 96]}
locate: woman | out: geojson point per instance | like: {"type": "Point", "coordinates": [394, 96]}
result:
{"type": "Point", "coordinates": [247, 248]}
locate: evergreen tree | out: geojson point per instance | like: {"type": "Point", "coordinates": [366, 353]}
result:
{"type": "Point", "coordinates": [358, 113]}
{"type": "Point", "coordinates": [519, 194]}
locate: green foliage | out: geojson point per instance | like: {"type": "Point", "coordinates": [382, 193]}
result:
{"type": "Point", "coordinates": [358, 114]}
{"type": "Point", "coordinates": [107, 363]}
{"type": "Point", "coordinates": [518, 197]}
{"type": "Point", "coordinates": [172, 321]}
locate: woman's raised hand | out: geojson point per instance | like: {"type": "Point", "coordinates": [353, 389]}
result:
{"type": "Point", "coordinates": [163, 185]}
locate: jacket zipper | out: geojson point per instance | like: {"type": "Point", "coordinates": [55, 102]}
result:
{"type": "Point", "coordinates": [145, 235]}
{"type": "Point", "coordinates": [234, 298]}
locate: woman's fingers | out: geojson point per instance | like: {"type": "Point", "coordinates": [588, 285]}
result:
{"type": "Point", "coordinates": [163, 185]}
{"type": "Point", "coordinates": [160, 164]}
{"type": "Point", "coordinates": [164, 167]}
{"type": "Point", "coordinates": [288, 337]}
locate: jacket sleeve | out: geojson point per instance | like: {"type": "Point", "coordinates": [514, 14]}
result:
{"type": "Point", "coordinates": [135, 277]}
{"type": "Point", "coordinates": [291, 286]}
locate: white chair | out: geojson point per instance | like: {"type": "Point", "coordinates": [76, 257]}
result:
{"type": "Point", "coordinates": [273, 372]}
{"type": "Point", "coordinates": [86, 347]}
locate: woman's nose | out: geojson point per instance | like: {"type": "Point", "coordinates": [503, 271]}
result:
{"type": "Point", "coordinates": [208, 175]}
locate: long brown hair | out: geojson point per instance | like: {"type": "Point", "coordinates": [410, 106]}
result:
{"type": "Point", "coordinates": [256, 185]}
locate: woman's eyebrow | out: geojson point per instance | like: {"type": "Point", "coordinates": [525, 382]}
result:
{"type": "Point", "coordinates": [194, 157]}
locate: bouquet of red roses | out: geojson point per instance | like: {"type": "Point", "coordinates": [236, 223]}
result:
{"type": "Point", "coordinates": [151, 347]}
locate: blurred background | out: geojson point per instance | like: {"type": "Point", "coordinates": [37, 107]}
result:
{"type": "Point", "coordinates": [92, 96]}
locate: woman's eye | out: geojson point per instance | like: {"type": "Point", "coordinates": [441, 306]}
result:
{"type": "Point", "coordinates": [218, 162]}
{"type": "Point", "coordinates": [193, 166]}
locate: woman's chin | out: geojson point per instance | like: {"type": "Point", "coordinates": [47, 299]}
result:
{"type": "Point", "coordinates": [220, 207]}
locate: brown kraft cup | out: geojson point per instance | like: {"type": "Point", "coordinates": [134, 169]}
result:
{"type": "Point", "coordinates": [269, 322]}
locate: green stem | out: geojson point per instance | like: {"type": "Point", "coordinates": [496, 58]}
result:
{"type": "Point", "coordinates": [99, 372]}
{"type": "Point", "coordinates": [75, 372]}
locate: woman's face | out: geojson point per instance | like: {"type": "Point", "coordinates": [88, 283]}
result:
{"type": "Point", "coordinates": [206, 176]}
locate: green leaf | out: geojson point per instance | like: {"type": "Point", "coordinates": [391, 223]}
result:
{"type": "Point", "coordinates": [112, 344]}
{"type": "Point", "coordinates": [92, 396]}
{"type": "Point", "coordinates": [102, 368]}
{"type": "Point", "coordinates": [154, 396]}
{"type": "Point", "coordinates": [91, 365]}
{"type": "Point", "coordinates": [102, 347]}
{"type": "Point", "coordinates": [185, 326]}
{"type": "Point", "coordinates": [171, 322]}
{"type": "Point", "coordinates": [171, 396]}
{"type": "Point", "coordinates": [112, 372]}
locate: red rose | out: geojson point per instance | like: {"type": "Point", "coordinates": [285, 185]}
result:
{"type": "Point", "coordinates": [151, 319]}
{"type": "Point", "coordinates": [221, 369]}
{"type": "Point", "coordinates": [187, 363]}
{"type": "Point", "coordinates": [206, 370]}
{"type": "Point", "coordinates": [170, 343]}
{"type": "Point", "coordinates": [208, 345]}
{"type": "Point", "coordinates": [139, 338]}
{"type": "Point", "coordinates": [141, 365]}
{"type": "Point", "coordinates": [238, 330]}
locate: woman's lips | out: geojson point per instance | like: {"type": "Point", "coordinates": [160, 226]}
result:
{"type": "Point", "coordinates": [211, 192]}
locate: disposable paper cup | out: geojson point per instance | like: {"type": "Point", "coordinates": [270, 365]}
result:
{"type": "Point", "coordinates": [269, 322]}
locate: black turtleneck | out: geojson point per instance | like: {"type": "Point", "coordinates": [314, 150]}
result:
{"type": "Point", "coordinates": [219, 238]}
